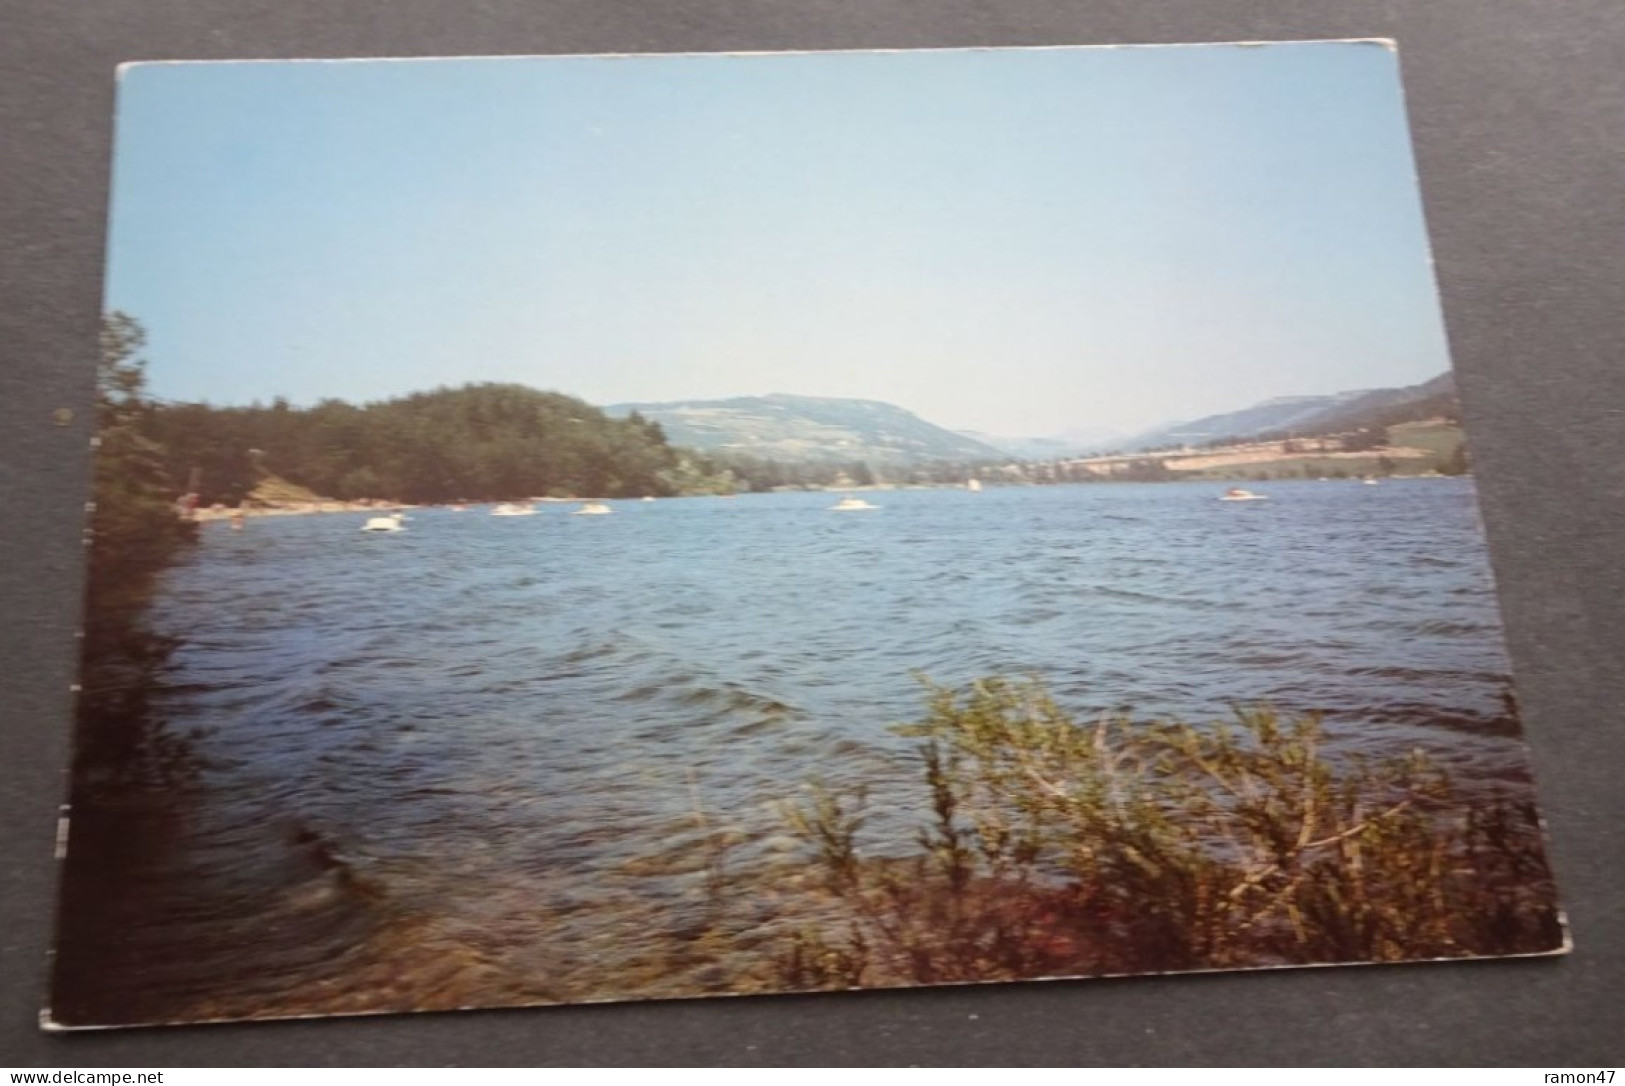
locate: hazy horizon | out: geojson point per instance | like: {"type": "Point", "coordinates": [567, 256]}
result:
{"type": "Point", "coordinates": [1017, 242]}
{"type": "Point", "coordinates": [1097, 431]}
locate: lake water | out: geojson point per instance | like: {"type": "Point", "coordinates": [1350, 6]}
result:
{"type": "Point", "coordinates": [478, 760]}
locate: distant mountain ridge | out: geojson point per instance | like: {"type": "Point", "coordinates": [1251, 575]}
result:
{"type": "Point", "coordinates": [822, 429]}
{"type": "Point", "coordinates": [808, 428]}
{"type": "Point", "coordinates": [1285, 416]}
{"type": "Point", "coordinates": [1075, 442]}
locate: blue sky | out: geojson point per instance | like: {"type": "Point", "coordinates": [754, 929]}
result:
{"type": "Point", "coordinates": [1015, 241]}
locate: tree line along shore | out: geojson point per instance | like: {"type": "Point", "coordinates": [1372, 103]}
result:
{"type": "Point", "coordinates": [503, 442]}
{"type": "Point", "coordinates": [1051, 847]}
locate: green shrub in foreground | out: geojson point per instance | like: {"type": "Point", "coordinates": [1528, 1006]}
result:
{"type": "Point", "coordinates": [1055, 848]}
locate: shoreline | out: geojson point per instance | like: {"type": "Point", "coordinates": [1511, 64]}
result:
{"type": "Point", "coordinates": [213, 514]}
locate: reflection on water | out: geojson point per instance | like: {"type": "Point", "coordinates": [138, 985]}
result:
{"type": "Point", "coordinates": [495, 760]}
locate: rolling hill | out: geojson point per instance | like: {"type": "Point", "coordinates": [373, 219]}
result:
{"type": "Point", "coordinates": [808, 429]}
{"type": "Point", "coordinates": [1311, 415]}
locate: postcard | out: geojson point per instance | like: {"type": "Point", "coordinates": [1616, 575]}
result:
{"type": "Point", "coordinates": [588, 528]}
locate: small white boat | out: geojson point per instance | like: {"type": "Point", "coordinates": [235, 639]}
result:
{"type": "Point", "coordinates": [513, 509]}
{"type": "Point", "coordinates": [391, 523]}
{"type": "Point", "coordinates": [973, 485]}
{"type": "Point", "coordinates": [591, 509]}
{"type": "Point", "coordinates": [1237, 494]}
{"type": "Point", "coordinates": [1369, 481]}
{"type": "Point", "coordinates": [849, 505]}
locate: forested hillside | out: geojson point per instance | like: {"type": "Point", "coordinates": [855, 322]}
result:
{"type": "Point", "coordinates": [1382, 408]}
{"type": "Point", "coordinates": [478, 442]}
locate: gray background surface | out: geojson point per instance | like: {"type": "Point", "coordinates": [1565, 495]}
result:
{"type": "Point", "coordinates": [1518, 108]}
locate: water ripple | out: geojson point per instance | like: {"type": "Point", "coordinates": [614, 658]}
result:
{"type": "Point", "coordinates": [530, 724]}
